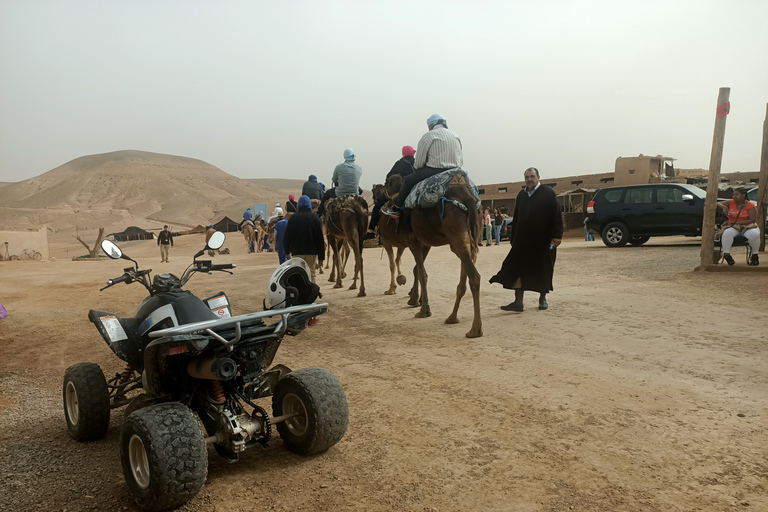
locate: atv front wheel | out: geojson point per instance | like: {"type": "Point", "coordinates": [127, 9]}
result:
{"type": "Point", "coordinates": [163, 454]}
{"type": "Point", "coordinates": [320, 407]}
{"type": "Point", "coordinates": [86, 401]}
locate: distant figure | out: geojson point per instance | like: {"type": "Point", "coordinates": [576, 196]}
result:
{"type": "Point", "coordinates": [247, 215]}
{"type": "Point", "coordinates": [403, 167]}
{"type": "Point", "coordinates": [275, 211]}
{"type": "Point", "coordinates": [498, 222]}
{"type": "Point", "coordinates": [588, 237]}
{"type": "Point", "coordinates": [487, 226]}
{"type": "Point", "coordinates": [742, 220]}
{"type": "Point", "coordinates": [312, 188]}
{"type": "Point", "coordinates": [438, 150]}
{"type": "Point", "coordinates": [346, 175]}
{"type": "Point", "coordinates": [280, 226]}
{"type": "Point", "coordinates": [291, 206]}
{"type": "Point", "coordinates": [165, 241]}
{"type": "Point", "coordinates": [304, 235]}
{"type": "Point", "coordinates": [536, 232]}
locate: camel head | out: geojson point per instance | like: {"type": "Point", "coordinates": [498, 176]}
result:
{"type": "Point", "coordinates": [393, 185]}
{"type": "Point", "coordinates": [378, 190]}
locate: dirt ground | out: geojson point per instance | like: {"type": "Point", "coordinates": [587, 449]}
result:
{"type": "Point", "coordinates": [644, 387]}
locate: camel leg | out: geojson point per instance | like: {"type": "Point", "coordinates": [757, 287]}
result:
{"type": "Point", "coordinates": [468, 269]}
{"type": "Point", "coordinates": [392, 285]}
{"type": "Point", "coordinates": [336, 264]}
{"type": "Point", "coordinates": [425, 310]}
{"type": "Point", "coordinates": [413, 295]}
{"type": "Point", "coordinates": [400, 277]}
{"type": "Point", "coordinates": [461, 289]}
{"type": "Point", "coordinates": [358, 268]}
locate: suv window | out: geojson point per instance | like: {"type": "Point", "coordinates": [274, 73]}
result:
{"type": "Point", "coordinates": [669, 195]}
{"type": "Point", "coordinates": [639, 196]}
{"type": "Point", "coordinates": [613, 196]}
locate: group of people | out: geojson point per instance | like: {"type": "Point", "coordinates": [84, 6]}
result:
{"type": "Point", "coordinates": [492, 226]}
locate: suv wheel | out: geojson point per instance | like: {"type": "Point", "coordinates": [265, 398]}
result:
{"type": "Point", "coordinates": [639, 240]}
{"type": "Point", "coordinates": [615, 234]}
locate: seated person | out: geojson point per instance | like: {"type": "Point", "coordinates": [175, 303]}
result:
{"type": "Point", "coordinates": [742, 220]}
{"type": "Point", "coordinates": [291, 206]}
{"type": "Point", "coordinates": [438, 150]}
{"type": "Point", "coordinates": [403, 167]}
{"type": "Point", "coordinates": [346, 175]}
{"type": "Point", "coordinates": [312, 188]}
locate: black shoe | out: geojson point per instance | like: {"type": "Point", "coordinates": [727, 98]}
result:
{"type": "Point", "coordinates": [393, 212]}
{"type": "Point", "coordinates": [513, 306]}
{"type": "Point", "coordinates": [728, 259]}
{"type": "Point", "coordinates": [369, 236]}
{"type": "Point", "coordinates": [755, 261]}
{"type": "Point", "coordinates": [543, 304]}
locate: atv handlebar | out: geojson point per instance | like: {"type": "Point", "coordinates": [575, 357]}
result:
{"type": "Point", "coordinates": [130, 275]}
{"type": "Point", "coordinates": [223, 267]}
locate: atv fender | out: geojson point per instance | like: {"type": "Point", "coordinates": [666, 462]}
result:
{"type": "Point", "coordinates": [159, 355]}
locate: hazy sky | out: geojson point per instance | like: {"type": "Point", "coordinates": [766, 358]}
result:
{"type": "Point", "coordinates": [279, 89]}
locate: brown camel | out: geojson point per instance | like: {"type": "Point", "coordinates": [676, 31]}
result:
{"type": "Point", "coordinates": [459, 229]}
{"type": "Point", "coordinates": [346, 222]}
{"type": "Point", "coordinates": [249, 233]}
{"type": "Point", "coordinates": [208, 233]}
{"type": "Point", "coordinates": [387, 230]}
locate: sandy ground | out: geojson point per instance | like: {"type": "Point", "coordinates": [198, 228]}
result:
{"type": "Point", "coordinates": [644, 387]}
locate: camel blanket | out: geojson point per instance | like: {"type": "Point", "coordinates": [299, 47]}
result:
{"type": "Point", "coordinates": [340, 203]}
{"type": "Point", "coordinates": [428, 193]}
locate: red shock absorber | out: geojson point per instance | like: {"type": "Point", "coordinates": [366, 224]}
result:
{"type": "Point", "coordinates": [216, 391]}
{"type": "Point", "coordinates": [126, 375]}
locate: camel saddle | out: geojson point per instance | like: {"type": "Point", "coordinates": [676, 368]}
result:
{"type": "Point", "coordinates": [344, 202]}
{"type": "Point", "coordinates": [248, 222]}
{"type": "Point", "coordinates": [429, 192]}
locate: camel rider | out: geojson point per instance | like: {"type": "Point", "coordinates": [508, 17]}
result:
{"type": "Point", "coordinates": [291, 206]}
{"type": "Point", "coordinates": [438, 150]}
{"type": "Point", "coordinates": [312, 188]}
{"type": "Point", "coordinates": [247, 215]}
{"type": "Point", "coordinates": [275, 211]}
{"type": "Point", "coordinates": [403, 167]}
{"type": "Point", "coordinates": [346, 180]}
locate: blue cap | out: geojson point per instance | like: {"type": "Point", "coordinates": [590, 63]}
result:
{"type": "Point", "coordinates": [312, 177]}
{"type": "Point", "coordinates": [435, 119]}
{"type": "Point", "coordinates": [349, 154]}
{"type": "Point", "coordinates": [305, 203]}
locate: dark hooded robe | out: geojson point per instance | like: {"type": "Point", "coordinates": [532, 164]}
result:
{"type": "Point", "coordinates": [535, 222]}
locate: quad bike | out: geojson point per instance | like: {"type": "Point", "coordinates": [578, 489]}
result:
{"type": "Point", "coordinates": [196, 364]}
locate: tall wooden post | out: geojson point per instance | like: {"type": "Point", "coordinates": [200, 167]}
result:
{"type": "Point", "coordinates": [710, 204]}
{"type": "Point", "coordinates": [762, 191]}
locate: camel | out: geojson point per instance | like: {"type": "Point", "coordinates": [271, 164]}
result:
{"type": "Point", "coordinates": [208, 232]}
{"type": "Point", "coordinates": [250, 235]}
{"type": "Point", "coordinates": [459, 229]}
{"type": "Point", "coordinates": [387, 230]}
{"type": "Point", "coordinates": [346, 222]}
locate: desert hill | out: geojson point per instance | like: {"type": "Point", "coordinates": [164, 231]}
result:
{"type": "Point", "coordinates": [122, 188]}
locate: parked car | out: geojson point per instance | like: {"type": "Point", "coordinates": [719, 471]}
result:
{"type": "Point", "coordinates": [504, 234]}
{"type": "Point", "coordinates": [634, 213]}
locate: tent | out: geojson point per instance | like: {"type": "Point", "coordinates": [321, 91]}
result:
{"type": "Point", "coordinates": [227, 225]}
{"type": "Point", "coordinates": [133, 233]}
{"type": "Point", "coordinates": [197, 229]}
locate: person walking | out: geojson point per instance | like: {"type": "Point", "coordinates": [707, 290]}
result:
{"type": "Point", "coordinates": [280, 226]}
{"type": "Point", "coordinates": [304, 236]}
{"type": "Point", "coordinates": [498, 222]}
{"type": "Point", "coordinates": [588, 237]}
{"type": "Point", "coordinates": [312, 188]}
{"type": "Point", "coordinates": [165, 241]}
{"type": "Point", "coordinates": [487, 226]}
{"type": "Point", "coordinates": [536, 232]}
{"type": "Point", "coordinates": [438, 150]}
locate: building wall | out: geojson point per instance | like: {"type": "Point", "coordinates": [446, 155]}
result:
{"type": "Point", "coordinates": [20, 240]}
{"type": "Point", "coordinates": [635, 170]}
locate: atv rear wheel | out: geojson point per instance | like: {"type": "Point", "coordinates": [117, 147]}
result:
{"type": "Point", "coordinates": [164, 458]}
{"type": "Point", "coordinates": [86, 401]}
{"type": "Point", "coordinates": [320, 405]}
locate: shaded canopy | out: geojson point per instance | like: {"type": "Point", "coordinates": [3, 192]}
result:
{"type": "Point", "coordinates": [227, 225]}
{"type": "Point", "coordinates": [133, 233]}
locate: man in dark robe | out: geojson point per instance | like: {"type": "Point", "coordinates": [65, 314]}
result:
{"type": "Point", "coordinates": [536, 231]}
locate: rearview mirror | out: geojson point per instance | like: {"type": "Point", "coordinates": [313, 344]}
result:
{"type": "Point", "coordinates": [111, 250]}
{"type": "Point", "coordinates": [687, 197]}
{"type": "Point", "coordinates": [216, 240]}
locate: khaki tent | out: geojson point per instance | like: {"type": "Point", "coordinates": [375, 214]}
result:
{"type": "Point", "coordinates": [132, 233]}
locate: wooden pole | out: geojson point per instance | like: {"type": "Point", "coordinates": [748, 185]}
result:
{"type": "Point", "coordinates": [710, 204]}
{"type": "Point", "coordinates": [762, 191]}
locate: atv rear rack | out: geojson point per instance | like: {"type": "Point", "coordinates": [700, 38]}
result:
{"type": "Point", "coordinates": [208, 326]}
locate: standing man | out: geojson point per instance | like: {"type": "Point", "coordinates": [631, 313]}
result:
{"type": "Point", "coordinates": [346, 175]}
{"type": "Point", "coordinates": [536, 232]}
{"type": "Point", "coordinates": [312, 188]}
{"type": "Point", "coordinates": [280, 226]}
{"type": "Point", "coordinates": [438, 150]}
{"type": "Point", "coordinates": [165, 241]}
{"type": "Point", "coordinates": [487, 225]}
{"type": "Point", "coordinates": [304, 235]}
